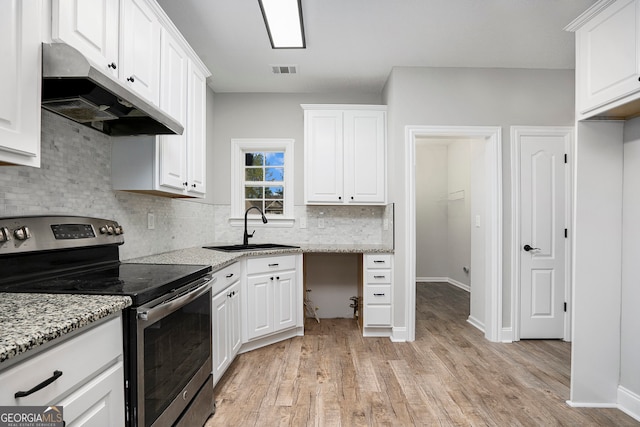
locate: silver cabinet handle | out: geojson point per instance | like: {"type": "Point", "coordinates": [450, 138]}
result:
{"type": "Point", "coordinates": [378, 295]}
{"type": "Point", "coordinates": [378, 261]}
{"type": "Point", "coordinates": [379, 277]}
{"type": "Point", "coordinates": [228, 276]}
{"type": "Point", "coordinates": [274, 265]}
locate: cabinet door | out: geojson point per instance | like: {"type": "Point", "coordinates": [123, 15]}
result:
{"type": "Point", "coordinates": [99, 403]}
{"type": "Point", "coordinates": [323, 145]}
{"type": "Point", "coordinates": [259, 305]}
{"type": "Point", "coordinates": [172, 151]}
{"type": "Point", "coordinates": [608, 52]}
{"type": "Point", "coordinates": [196, 132]}
{"type": "Point", "coordinates": [20, 78]}
{"type": "Point", "coordinates": [140, 49]}
{"type": "Point", "coordinates": [286, 303]}
{"type": "Point", "coordinates": [91, 26]}
{"type": "Point", "coordinates": [220, 330]}
{"type": "Point", "coordinates": [364, 156]}
{"type": "Point", "coordinates": [234, 320]}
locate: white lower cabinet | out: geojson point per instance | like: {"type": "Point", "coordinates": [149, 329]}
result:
{"type": "Point", "coordinates": [226, 329]}
{"type": "Point", "coordinates": [377, 298]}
{"type": "Point", "coordinates": [87, 373]}
{"type": "Point", "coordinates": [272, 295]}
{"type": "Point", "coordinates": [226, 318]}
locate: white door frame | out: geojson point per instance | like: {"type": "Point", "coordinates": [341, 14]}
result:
{"type": "Point", "coordinates": [567, 132]}
{"type": "Point", "coordinates": [493, 228]}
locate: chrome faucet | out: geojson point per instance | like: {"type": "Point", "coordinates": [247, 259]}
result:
{"type": "Point", "coordinates": [247, 236]}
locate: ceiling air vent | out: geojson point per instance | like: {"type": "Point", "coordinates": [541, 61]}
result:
{"type": "Point", "coordinates": [284, 69]}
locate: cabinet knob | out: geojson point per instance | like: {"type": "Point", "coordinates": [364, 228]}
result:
{"type": "Point", "coordinates": [131, 79]}
{"type": "Point", "coordinates": [112, 65]}
{"type": "Point", "coordinates": [193, 185]}
{"type": "Point", "coordinates": [185, 183]}
{"type": "Point", "coordinates": [351, 197]}
{"type": "Point", "coordinates": [339, 197]}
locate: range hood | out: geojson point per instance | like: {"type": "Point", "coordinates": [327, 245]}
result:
{"type": "Point", "coordinates": [76, 88]}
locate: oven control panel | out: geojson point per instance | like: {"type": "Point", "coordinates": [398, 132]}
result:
{"type": "Point", "coordinates": [38, 233]}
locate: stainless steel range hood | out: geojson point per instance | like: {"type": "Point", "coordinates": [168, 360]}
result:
{"type": "Point", "coordinates": [74, 87]}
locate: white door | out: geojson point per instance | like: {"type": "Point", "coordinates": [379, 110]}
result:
{"type": "Point", "coordinates": [542, 234]}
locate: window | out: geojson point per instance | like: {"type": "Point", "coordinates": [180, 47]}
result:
{"type": "Point", "coordinates": [262, 176]}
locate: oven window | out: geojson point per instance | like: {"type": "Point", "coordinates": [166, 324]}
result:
{"type": "Point", "coordinates": [175, 347]}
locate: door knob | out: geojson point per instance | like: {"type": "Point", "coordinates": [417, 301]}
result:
{"type": "Point", "coordinates": [529, 248]}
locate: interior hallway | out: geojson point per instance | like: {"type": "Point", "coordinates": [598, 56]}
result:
{"type": "Point", "coordinates": [450, 375]}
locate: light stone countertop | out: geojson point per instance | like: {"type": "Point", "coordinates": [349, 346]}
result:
{"type": "Point", "coordinates": [219, 259]}
{"type": "Point", "coordinates": [28, 321]}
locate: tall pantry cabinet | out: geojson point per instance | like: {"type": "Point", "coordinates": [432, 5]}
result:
{"type": "Point", "coordinates": [606, 205]}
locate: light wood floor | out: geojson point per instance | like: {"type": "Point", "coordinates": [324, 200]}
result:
{"type": "Point", "coordinates": [450, 376]}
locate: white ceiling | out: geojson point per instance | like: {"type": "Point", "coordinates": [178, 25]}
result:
{"type": "Point", "coordinates": [353, 44]}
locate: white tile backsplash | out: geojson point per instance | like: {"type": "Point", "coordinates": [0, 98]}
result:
{"type": "Point", "coordinates": [75, 179]}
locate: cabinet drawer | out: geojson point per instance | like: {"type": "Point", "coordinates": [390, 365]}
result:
{"type": "Point", "coordinates": [225, 277]}
{"type": "Point", "coordinates": [267, 264]}
{"type": "Point", "coordinates": [378, 261]}
{"type": "Point", "coordinates": [378, 276]}
{"type": "Point", "coordinates": [77, 358]}
{"type": "Point", "coordinates": [377, 294]}
{"type": "Point", "coordinates": [377, 315]}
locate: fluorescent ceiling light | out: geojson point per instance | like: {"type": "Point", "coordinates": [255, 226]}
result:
{"type": "Point", "coordinates": [283, 19]}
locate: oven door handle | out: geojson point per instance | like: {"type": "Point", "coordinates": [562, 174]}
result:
{"type": "Point", "coordinates": [158, 311]}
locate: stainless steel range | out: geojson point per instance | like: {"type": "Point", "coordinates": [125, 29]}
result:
{"type": "Point", "coordinates": [167, 330]}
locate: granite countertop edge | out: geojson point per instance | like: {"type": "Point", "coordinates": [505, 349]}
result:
{"type": "Point", "coordinates": [29, 321]}
{"type": "Point", "coordinates": [218, 259]}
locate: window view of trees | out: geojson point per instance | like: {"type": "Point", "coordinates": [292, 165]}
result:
{"type": "Point", "coordinates": [264, 181]}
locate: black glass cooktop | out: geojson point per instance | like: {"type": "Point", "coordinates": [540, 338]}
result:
{"type": "Point", "coordinates": [142, 282]}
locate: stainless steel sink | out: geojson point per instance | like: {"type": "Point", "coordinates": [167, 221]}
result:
{"type": "Point", "coordinates": [250, 247]}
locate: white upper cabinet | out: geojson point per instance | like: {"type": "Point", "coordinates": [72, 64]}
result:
{"type": "Point", "coordinates": [166, 165]}
{"type": "Point", "coordinates": [20, 49]}
{"type": "Point", "coordinates": [345, 154]}
{"type": "Point", "coordinates": [607, 55]}
{"type": "Point", "coordinates": [196, 135]}
{"type": "Point", "coordinates": [91, 26]}
{"type": "Point", "coordinates": [140, 48]}
{"type": "Point", "coordinates": [123, 36]}
{"type": "Point", "coordinates": [173, 99]}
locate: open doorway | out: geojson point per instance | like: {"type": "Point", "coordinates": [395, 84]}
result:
{"type": "Point", "coordinates": [486, 268]}
{"type": "Point", "coordinates": [443, 211]}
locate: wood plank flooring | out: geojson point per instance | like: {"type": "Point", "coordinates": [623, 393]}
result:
{"type": "Point", "coordinates": [449, 376]}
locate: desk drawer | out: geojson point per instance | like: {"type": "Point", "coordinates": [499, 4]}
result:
{"type": "Point", "coordinates": [378, 276]}
{"type": "Point", "coordinates": [272, 263]}
{"type": "Point", "coordinates": [377, 261]}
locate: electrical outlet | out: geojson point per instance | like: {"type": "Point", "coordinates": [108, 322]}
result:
{"type": "Point", "coordinates": [151, 221]}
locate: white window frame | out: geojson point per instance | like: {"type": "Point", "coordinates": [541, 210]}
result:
{"type": "Point", "coordinates": [238, 148]}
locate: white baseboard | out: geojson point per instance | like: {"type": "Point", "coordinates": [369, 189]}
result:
{"type": "Point", "coordinates": [432, 279]}
{"type": "Point", "coordinates": [399, 334]}
{"type": "Point", "coordinates": [506, 335]}
{"type": "Point", "coordinates": [591, 405]}
{"type": "Point", "coordinates": [445, 280]}
{"type": "Point", "coordinates": [476, 323]}
{"type": "Point", "coordinates": [629, 402]}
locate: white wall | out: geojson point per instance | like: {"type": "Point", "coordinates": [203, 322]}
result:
{"type": "Point", "coordinates": [597, 263]}
{"type": "Point", "coordinates": [431, 210]}
{"type": "Point", "coordinates": [630, 292]}
{"type": "Point", "coordinates": [468, 97]}
{"type": "Point", "coordinates": [459, 210]}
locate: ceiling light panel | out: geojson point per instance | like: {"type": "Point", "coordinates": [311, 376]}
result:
{"type": "Point", "coordinates": [283, 19]}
